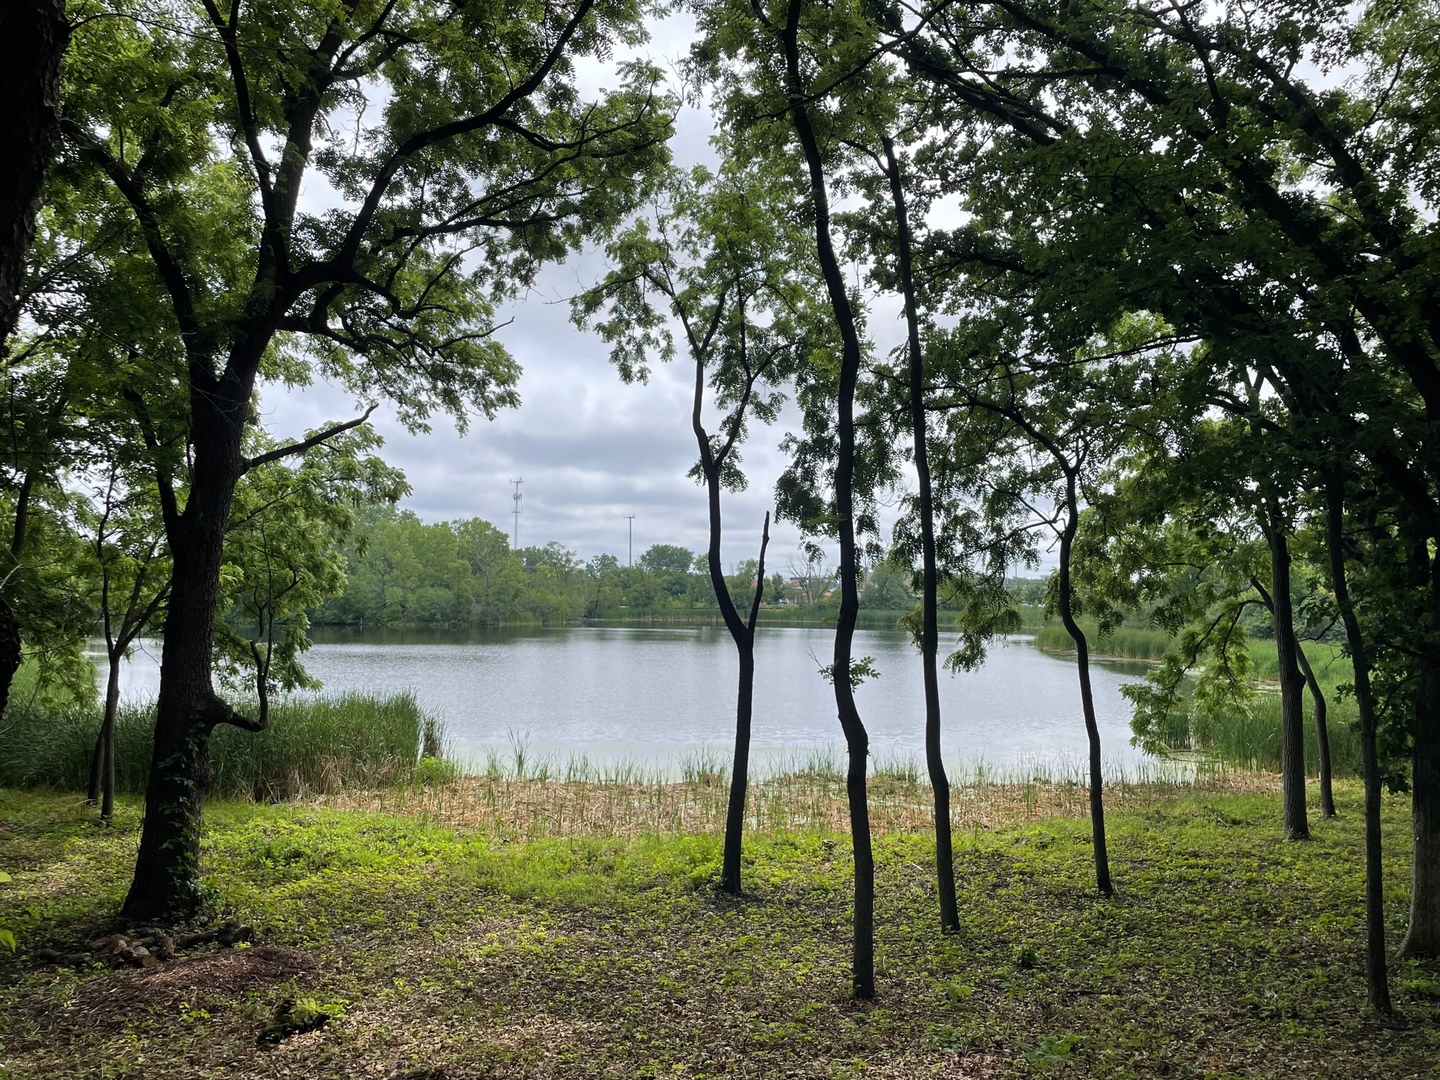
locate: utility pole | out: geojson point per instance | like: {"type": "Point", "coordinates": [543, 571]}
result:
{"type": "Point", "coordinates": [515, 537]}
{"type": "Point", "coordinates": [631, 519]}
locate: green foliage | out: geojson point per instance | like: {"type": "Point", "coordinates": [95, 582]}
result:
{"type": "Point", "coordinates": [398, 570]}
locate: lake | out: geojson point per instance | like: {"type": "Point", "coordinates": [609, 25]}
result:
{"type": "Point", "coordinates": [659, 696]}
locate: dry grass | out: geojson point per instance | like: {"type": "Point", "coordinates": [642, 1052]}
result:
{"type": "Point", "coordinates": [526, 808]}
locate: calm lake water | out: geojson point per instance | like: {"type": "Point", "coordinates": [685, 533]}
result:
{"type": "Point", "coordinates": [659, 696]}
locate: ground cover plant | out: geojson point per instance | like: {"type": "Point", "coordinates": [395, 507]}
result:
{"type": "Point", "coordinates": [443, 950]}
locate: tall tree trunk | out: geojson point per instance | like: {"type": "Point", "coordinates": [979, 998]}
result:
{"type": "Point", "coordinates": [1087, 696]}
{"type": "Point", "coordinates": [10, 651]}
{"type": "Point", "coordinates": [929, 584]}
{"type": "Point", "coordinates": [11, 645]}
{"type": "Point", "coordinates": [1376, 978]}
{"type": "Point", "coordinates": [167, 881]}
{"type": "Point", "coordinates": [1422, 936]}
{"type": "Point", "coordinates": [857, 740]}
{"type": "Point", "coordinates": [1292, 684]}
{"type": "Point", "coordinates": [1322, 732]}
{"type": "Point", "coordinates": [107, 739]}
{"type": "Point", "coordinates": [33, 38]}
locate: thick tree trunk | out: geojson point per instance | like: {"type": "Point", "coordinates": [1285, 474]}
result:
{"type": "Point", "coordinates": [929, 583]}
{"type": "Point", "coordinates": [1322, 732]}
{"type": "Point", "coordinates": [33, 38]}
{"type": "Point", "coordinates": [1376, 977]}
{"type": "Point", "coordinates": [857, 740]}
{"type": "Point", "coordinates": [1292, 685]}
{"type": "Point", "coordinates": [1422, 936]}
{"type": "Point", "coordinates": [167, 881]}
{"type": "Point", "coordinates": [10, 651]}
{"type": "Point", "coordinates": [1087, 696]}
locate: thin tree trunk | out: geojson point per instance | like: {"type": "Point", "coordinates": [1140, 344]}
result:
{"type": "Point", "coordinates": [929, 584]}
{"type": "Point", "coordinates": [1422, 936]}
{"type": "Point", "coordinates": [1376, 978]}
{"type": "Point", "coordinates": [11, 645]}
{"type": "Point", "coordinates": [33, 39]}
{"type": "Point", "coordinates": [107, 740]}
{"type": "Point", "coordinates": [857, 740]}
{"type": "Point", "coordinates": [1087, 697]}
{"type": "Point", "coordinates": [97, 762]}
{"type": "Point", "coordinates": [744, 698]}
{"type": "Point", "coordinates": [1322, 732]}
{"type": "Point", "coordinates": [1292, 684]}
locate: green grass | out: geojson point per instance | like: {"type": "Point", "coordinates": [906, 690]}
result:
{"type": "Point", "coordinates": [1251, 739]}
{"type": "Point", "coordinates": [312, 745]}
{"type": "Point", "coordinates": [1243, 739]}
{"type": "Point", "coordinates": [446, 954]}
{"type": "Point", "coordinates": [1125, 642]}
{"type": "Point", "coordinates": [1331, 668]}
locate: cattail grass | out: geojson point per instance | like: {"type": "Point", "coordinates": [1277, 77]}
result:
{"type": "Point", "coordinates": [1250, 738]}
{"type": "Point", "coordinates": [1126, 642]}
{"type": "Point", "coordinates": [313, 745]}
{"type": "Point", "coordinates": [1331, 667]}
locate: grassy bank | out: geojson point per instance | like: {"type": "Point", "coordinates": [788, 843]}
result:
{"type": "Point", "coordinates": [312, 745]}
{"type": "Point", "coordinates": [1124, 642]}
{"type": "Point", "coordinates": [1250, 738]}
{"type": "Point", "coordinates": [774, 615]}
{"type": "Point", "coordinates": [446, 953]}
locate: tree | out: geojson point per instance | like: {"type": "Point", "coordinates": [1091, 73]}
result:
{"type": "Point", "coordinates": [195, 133]}
{"type": "Point", "coordinates": [128, 546]}
{"type": "Point", "coordinates": [33, 38]}
{"type": "Point", "coordinates": [716, 258]}
{"type": "Point", "coordinates": [667, 559]}
{"type": "Point", "coordinates": [929, 636]}
{"type": "Point", "coordinates": [1213, 182]}
{"type": "Point", "coordinates": [1377, 978]}
{"type": "Point", "coordinates": [774, 88]}
{"type": "Point", "coordinates": [1248, 179]}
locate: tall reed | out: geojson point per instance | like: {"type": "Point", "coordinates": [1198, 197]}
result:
{"type": "Point", "coordinates": [313, 745]}
{"type": "Point", "coordinates": [1126, 642]}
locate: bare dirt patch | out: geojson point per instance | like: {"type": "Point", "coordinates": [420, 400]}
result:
{"type": "Point", "coordinates": [109, 999]}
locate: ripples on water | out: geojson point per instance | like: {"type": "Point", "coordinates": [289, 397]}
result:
{"type": "Point", "coordinates": [657, 696]}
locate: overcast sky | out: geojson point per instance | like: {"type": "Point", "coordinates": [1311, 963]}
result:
{"type": "Point", "coordinates": [589, 448]}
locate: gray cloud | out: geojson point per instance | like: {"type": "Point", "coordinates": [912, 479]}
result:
{"type": "Point", "coordinates": [590, 448]}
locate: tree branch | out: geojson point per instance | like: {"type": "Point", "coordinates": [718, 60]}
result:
{"type": "Point", "coordinates": [305, 444]}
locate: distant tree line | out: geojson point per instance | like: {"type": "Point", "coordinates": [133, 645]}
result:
{"type": "Point", "coordinates": [399, 570]}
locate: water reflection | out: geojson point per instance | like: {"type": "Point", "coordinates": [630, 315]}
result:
{"type": "Point", "coordinates": [656, 694]}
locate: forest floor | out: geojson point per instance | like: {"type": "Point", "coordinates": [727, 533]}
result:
{"type": "Point", "coordinates": [443, 950]}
